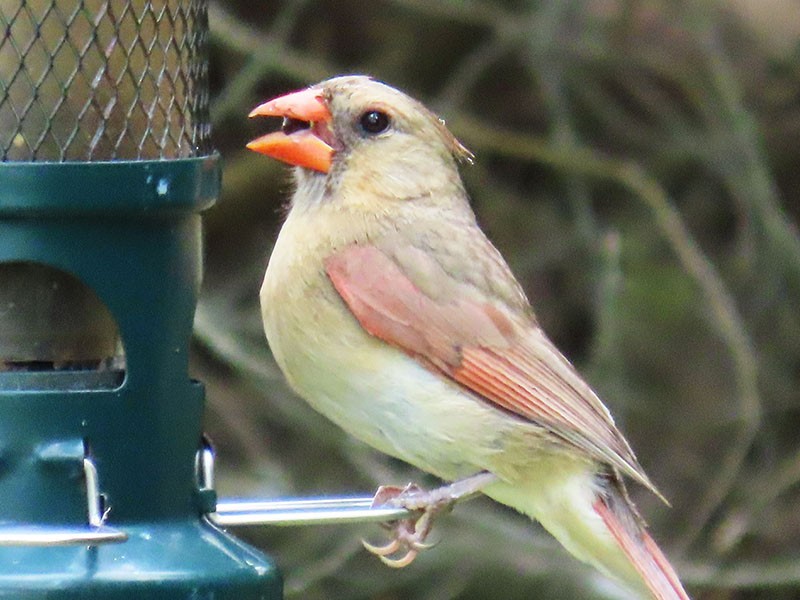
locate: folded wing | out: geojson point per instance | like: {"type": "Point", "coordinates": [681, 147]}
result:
{"type": "Point", "coordinates": [506, 360]}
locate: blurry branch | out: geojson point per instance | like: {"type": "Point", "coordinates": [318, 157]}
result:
{"type": "Point", "coordinates": [785, 476]}
{"type": "Point", "coordinates": [730, 328]}
{"type": "Point", "coordinates": [739, 521]}
{"type": "Point", "coordinates": [226, 345]}
{"type": "Point", "coordinates": [223, 342]}
{"type": "Point", "coordinates": [467, 13]}
{"type": "Point", "coordinates": [774, 573]}
{"type": "Point", "coordinates": [545, 61]}
{"type": "Point", "coordinates": [268, 52]}
{"type": "Point", "coordinates": [308, 573]}
{"type": "Point", "coordinates": [473, 65]}
{"type": "Point", "coordinates": [605, 356]}
{"type": "Point", "coordinates": [726, 318]}
{"type": "Point", "coordinates": [755, 186]}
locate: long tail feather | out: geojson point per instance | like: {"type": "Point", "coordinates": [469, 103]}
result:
{"type": "Point", "coordinates": [593, 518]}
{"type": "Point", "coordinates": [642, 551]}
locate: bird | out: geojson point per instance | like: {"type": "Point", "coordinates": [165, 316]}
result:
{"type": "Point", "coordinates": [390, 312]}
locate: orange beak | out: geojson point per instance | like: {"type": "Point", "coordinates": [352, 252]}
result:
{"type": "Point", "coordinates": [306, 139]}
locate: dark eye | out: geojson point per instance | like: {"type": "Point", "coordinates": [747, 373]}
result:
{"type": "Point", "coordinates": [374, 121]}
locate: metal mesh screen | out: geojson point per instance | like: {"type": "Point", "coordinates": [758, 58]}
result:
{"type": "Point", "coordinates": [88, 80]}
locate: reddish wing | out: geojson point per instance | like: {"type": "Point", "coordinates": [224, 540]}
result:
{"type": "Point", "coordinates": [479, 346]}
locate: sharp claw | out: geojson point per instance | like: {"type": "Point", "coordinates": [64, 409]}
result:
{"type": "Point", "coordinates": [399, 563]}
{"type": "Point", "coordinates": [421, 545]}
{"type": "Point", "coordinates": [381, 551]}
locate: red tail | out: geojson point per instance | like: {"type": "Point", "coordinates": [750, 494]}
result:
{"type": "Point", "coordinates": [645, 556]}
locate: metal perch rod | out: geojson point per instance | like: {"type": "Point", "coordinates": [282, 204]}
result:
{"type": "Point", "coordinates": [307, 511]}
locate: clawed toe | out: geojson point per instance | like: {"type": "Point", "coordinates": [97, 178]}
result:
{"type": "Point", "coordinates": [404, 541]}
{"type": "Point", "coordinates": [399, 563]}
{"type": "Point", "coordinates": [381, 551]}
{"type": "Point", "coordinates": [395, 545]}
{"type": "Point", "coordinates": [422, 545]}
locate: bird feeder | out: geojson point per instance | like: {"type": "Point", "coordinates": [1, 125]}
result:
{"type": "Point", "coordinates": [106, 167]}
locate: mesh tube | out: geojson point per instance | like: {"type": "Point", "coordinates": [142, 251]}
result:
{"type": "Point", "coordinates": [92, 80]}
{"type": "Point", "coordinates": [85, 81]}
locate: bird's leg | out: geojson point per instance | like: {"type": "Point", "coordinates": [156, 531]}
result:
{"type": "Point", "coordinates": [409, 534]}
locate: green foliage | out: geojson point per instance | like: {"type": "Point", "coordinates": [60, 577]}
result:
{"type": "Point", "coordinates": [636, 162]}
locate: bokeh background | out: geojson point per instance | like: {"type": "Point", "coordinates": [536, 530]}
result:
{"type": "Point", "coordinates": [637, 164]}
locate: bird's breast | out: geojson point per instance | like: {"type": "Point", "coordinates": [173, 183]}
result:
{"type": "Point", "coordinates": [370, 389]}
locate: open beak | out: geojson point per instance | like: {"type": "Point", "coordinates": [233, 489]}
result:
{"type": "Point", "coordinates": [305, 139]}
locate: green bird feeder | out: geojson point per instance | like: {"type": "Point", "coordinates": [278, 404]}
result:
{"type": "Point", "coordinates": [107, 165]}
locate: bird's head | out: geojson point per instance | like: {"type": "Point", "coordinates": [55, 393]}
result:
{"type": "Point", "coordinates": [357, 131]}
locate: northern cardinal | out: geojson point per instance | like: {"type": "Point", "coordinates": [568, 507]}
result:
{"type": "Point", "coordinates": [391, 313]}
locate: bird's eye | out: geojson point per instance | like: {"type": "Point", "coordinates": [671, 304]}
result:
{"type": "Point", "coordinates": [374, 121]}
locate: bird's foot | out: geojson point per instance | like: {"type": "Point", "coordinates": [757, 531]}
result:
{"type": "Point", "coordinates": [409, 535]}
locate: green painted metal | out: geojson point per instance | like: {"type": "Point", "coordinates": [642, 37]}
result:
{"type": "Point", "coordinates": [131, 232]}
{"type": "Point", "coordinates": [135, 188]}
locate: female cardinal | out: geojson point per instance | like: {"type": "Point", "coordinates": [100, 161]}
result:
{"type": "Point", "coordinates": [392, 314]}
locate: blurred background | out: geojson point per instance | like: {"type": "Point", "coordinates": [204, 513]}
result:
{"type": "Point", "coordinates": [637, 164]}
